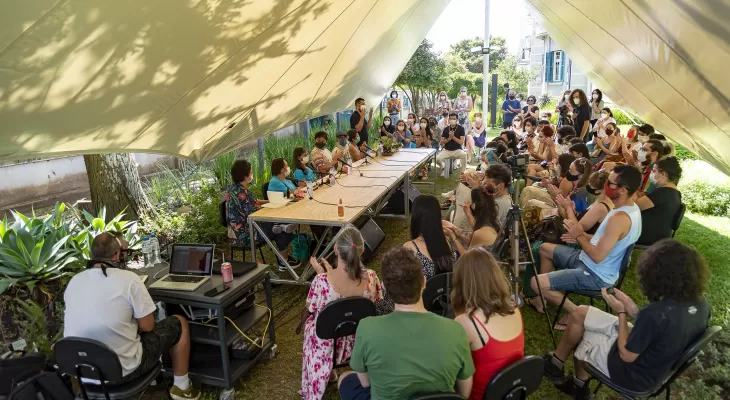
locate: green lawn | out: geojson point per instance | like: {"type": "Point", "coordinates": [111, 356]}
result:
{"type": "Point", "coordinates": [280, 378]}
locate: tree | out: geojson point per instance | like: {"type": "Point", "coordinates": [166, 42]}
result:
{"type": "Point", "coordinates": [457, 75]}
{"type": "Point", "coordinates": [518, 77]}
{"type": "Point", "coordinates": [421, 75]}
{"type": "Point", "coordinates": [114, 183]}
{"type": "Point", "coordinates": [474, 63]}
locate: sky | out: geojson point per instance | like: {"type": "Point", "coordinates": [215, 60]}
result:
{"type": "Point", "coordinates": [464, 19]}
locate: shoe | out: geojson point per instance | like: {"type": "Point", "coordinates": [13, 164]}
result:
{"type": "Point", "coordinates": [190, 394]}
{"type": "Point", "coordinates": [567, 385]}
{"type": "Point", "coordinates": [448, 194]}
{"type": "Point", "coordinates": [550, 370]}
{"type": "Point", "coordinates": [284, 228]}
{"type": "Point", "coordinates": [292, 262]}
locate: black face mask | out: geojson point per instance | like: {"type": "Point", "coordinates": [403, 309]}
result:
{"type": "Point", "coordinates": [571, 177]}
{"type": "Point", "coordinates": [512, 97]}
{"type": "Point", "coordinates": [320, 145]}
{"type": "Point", "coordinates": [592, 191]}
{"type": "Point", "coordinates": [560, 140]}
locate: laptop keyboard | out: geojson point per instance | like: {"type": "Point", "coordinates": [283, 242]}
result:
{"type": "Point", "coordinates": [183, 279]}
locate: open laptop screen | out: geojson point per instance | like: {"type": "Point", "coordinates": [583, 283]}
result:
{"type": "Point", "coordinates": [194, 259]}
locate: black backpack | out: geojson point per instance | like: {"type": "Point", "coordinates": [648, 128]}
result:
{"type": "Point", "coordinates": [47, 386]}
{"type": "Point", "coordinates": [223, 213]}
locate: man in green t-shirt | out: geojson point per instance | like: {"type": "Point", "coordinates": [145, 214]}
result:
{"type": "Point", "coordinates": [410, 351]}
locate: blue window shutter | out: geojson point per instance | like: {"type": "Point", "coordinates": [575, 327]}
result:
{"type": "Point", "coordinates": [562, 68]}
{"type": "Point", "coordinates": [549, 67]}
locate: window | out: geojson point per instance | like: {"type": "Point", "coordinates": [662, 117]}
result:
{"type": "Point", "coordinates": [525, 54]}
{"type": "Point", "coordinates": [554, 66]}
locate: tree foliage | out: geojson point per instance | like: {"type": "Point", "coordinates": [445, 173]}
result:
{"type": "Point", "coordinates": [423, 73]}
{"type": "Point", "coordinates": [518, 77]}
{"type": "Point", "coordinates": [497, 53]}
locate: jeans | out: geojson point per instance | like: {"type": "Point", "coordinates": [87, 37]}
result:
{"type": "Point", "coordinates": [574, 275]}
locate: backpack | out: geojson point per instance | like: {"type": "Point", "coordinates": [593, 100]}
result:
{"type": "Point", "coordinates": [223, 213]}
{"type": "Point", "coordinates": [46, 386]}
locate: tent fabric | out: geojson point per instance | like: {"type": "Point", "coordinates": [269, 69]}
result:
{"type": "Point", "coordinates": [665, 60]}
{"type": "Point", "coordinates": [191, 78]}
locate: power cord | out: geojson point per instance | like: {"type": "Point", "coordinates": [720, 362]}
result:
{"type": "Point", "coordinates": [266, 329]}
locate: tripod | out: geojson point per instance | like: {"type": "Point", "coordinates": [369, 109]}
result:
{"type": "Point", "coordinates": [511, 229]}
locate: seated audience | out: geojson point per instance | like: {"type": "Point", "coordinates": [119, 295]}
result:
{"type": "Point", "coordinates": [321, 158]}
{"type": "Point", "coordinates": [452, 140]}
{"type": "Point", "coordinates": [241, 202]}
{"type": "Point", "coordinates": [597, 264]}
{"type": "Point", "coordinates": [349, 278]}
{"type": "Point", "coordinates": [302, 172]}
{"type": "Point", "coordinates": [435, 132]}
{"type": "Point", "coordinates": [579, 150]}
{"type": "Point", "coordinates": [565, 133]}
{"type": "Point", "coordinates": [674, 278]}
{"type": "Point", "coordinates": [356, 149]}
{"type": "Point", "coordinates": [494, 153]}
{"type": "Point", "coordinates": [568, 179]}
{"type": "Point", "coordinates": [410, 351]}
{"type": "Point", "coordinates": [660, 207]}
{"type": "Point", "coordinates": [279, 182]}
{"type": "Point", "coordinates": [482, 214]}
{"type": "Point", "coordinates": [387, 128]}
{"type": "Point", "coordinates": [649, 154]}
{"type": "Point", "coordinates": [510, 139]}
{"type": "Point", "coordinates": [544, 153]}
{"type": "Point", "coordinates": [426, 128]}
{"type": "Point", "coordinates": [112, 305]}
{"type": "Point", "coordinates": [428, 240]}
{"type": "Point", "coordinates": [608, 147]}
{"type": "Point", "coordinates": [529, 141]}
{"type": "Point", "coordinates": [401, 131]}
{"type": "Point", "coordinates": [482, 300]}
{"type": "Point", "coordinates": [479, 131]}
{"type": "Point", "coordinates": [602, 123]}
{"type": "Point", "coordinates": [497, 180]}
{"type": "Point", "coordinates": [342, 150]}
{"type": "Point", "coordinates": [518, 128]}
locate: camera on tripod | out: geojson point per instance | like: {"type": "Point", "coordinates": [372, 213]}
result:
{"type": "Point", "coordinates": [518, 163]}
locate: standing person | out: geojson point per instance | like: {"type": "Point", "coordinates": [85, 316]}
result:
{"type": "Point", "coordinates": [531, 109]}
{"type": "Point", "coordinates": [452, 140]}
{"type": "Point", "coordinates": [358, 121]}
{"type": "Point", "coordinates": [394, 107]}
{"type": "Point", "coordinates": [482, 300]}
{"type": "Point", "coordinates": [674, 279]}
{"type": "Point", "coordinates": [510, 109]}
{"type": "Point", "coordinates": [521, 98]}
{"type": "Point", "coordinates": [596, 105]}
{"type": "Point", "coordinates": [564, 110]}
{"type": "Point", "coordinates": [435, 132]}
{"type": "Point", "coordinates": [443, 105]}
{"type": "Point", "coordinates": [321, 156]}
{"type": "Point", "coordinates": [388, 127]}
{"type": "Point", "coordinates": [581, 115]}
{"type": "Point", "coordinates": [463, 106]}
{"type": "Point", "coordinates": [517, 127]}
{"type": "Point", "coordinates": [301, 171]}
{"type": "Point", "coordinates": [112, 305]}
{"type": "Point", "coordinates": [410, 350]}
{"type": "Point", "coordinates": [349, 278]}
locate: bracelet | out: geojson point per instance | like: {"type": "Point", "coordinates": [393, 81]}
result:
{"type": "Point", "coordinates": [622, 312]}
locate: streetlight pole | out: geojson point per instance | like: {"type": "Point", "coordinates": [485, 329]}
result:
{"type": "Point", "coordinates": [485, 60]}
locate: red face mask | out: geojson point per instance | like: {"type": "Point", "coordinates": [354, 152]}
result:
{"type": "Point", "coordinates": [610, 192]}
{"type": "Point", "coordinates": [630, 134]}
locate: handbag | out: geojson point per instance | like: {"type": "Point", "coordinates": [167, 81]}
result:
{"type": "Point", "coordinates": [552, 230]}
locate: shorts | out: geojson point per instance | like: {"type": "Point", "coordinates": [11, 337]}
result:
{"type": "Point", "coordinates": [164, 335]}
{"type": "Point", "coordinates": [506, 125]}
{"type": "Point", "coordinates": [601, 332]}
{"type": "Point", "coordinates": [573, 274]}
{"type": "Point", "coordinates": [351, 389]}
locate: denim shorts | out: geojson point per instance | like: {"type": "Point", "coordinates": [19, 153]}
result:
{"type": "Point", "coordinates": [351, 389]}
{"type": "Point", "coordinates": [573, 274]}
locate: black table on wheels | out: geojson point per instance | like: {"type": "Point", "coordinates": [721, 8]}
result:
{"type": "Point", "coordinates": [229, 371]}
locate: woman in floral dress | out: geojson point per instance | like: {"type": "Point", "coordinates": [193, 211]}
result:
{"type": "Point", "coordinates": [349, 279]}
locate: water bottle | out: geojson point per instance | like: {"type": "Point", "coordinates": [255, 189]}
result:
{"type": "Point", "coordinates": [146, 253]}
{"type": "Point", "coordinates": [332, 175]}
{"type": "Point", "coordinates": [155, 247]}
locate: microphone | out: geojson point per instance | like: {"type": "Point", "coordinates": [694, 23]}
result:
{"type": "Point", "coordinates": [349, 165]}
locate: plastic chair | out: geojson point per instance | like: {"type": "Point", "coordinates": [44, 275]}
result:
{"type": "Point", "coordinates": [516, 381]}
{"type": "Point", "coordinates": [92, 359]}
{"type": "Point", "coordinates": [340, 318]}
{"type": "Point", "coordinates": [437, 295]}
{"type": "Point", "coordinates": [438, 396]}
{"type": "Point", "coordinates": [596, 294]}
{"type": "Point", "coordinates": [688, 357]}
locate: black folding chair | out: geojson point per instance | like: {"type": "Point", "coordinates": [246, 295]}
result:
{"type": "Point", "coordinates": [437, 295]}
{"type": "Point", "coordinates": [676, 222]}
{"type": "Point", "coordinates": [340, 318]}
{"type": "Point", "coordinates": [596, 294]}
{"type": "Point", "coordinates": [46, 385]}
{"type": "Point", "coordinates": [688, 357]}
{"type": "Point", "coordinates": [265, 190]}
{"type": "Point", "coordinates": [438, 396]}
{"type": "Point", "coordinates": [92, 359]}
{"type": "Point", "coordinates": [516, 381]}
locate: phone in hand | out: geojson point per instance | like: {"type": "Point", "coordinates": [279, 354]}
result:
{"type": "Point", "coordinates": [217, 290]}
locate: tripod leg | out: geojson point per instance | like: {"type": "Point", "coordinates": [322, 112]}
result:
{"type": "Point", "coordinates": [539, 289]}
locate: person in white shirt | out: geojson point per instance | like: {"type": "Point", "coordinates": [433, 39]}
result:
{"type": "Point", "coordinates": [112, 305]}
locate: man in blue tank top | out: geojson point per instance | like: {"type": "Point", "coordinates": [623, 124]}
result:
{"type": "Point", "coordinates": [596, 265]}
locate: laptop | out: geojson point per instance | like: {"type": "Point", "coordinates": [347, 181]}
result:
{"type": "Point", "coordinates": [190, 266]}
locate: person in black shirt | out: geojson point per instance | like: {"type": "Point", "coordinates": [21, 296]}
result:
{"type": "Point", "coordinates": [660, 207]}
{"type": "Point", "coordinates": [581, 115]}
{"type": "Point", "coordinates": [673, 277]}
{"type": "Point", "coordinates": [358, 121]}
{"type": "Point", "coordinates": [452, 140]}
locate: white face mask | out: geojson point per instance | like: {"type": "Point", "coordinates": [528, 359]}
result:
{"type": "Point", "coordinates": [401, 127]}
{"type": "Point", "coordinates": [567, 97]}
{"type": "Point", "coordinates": [411, 120]}
{"type": "Point", "coordinates": [363, 108]}
{"type": "Point", "coordinates": [484, 166]}
{"type": "Point", "coordinates": [604, 115]}
{"type": "Point", "coordinates": [518, 123]}
{"type": "Point", "coordinates": [643, 138]}
{"type": "Point", "coordinates": [443, 98]}
{"type": "Point", "coordinates": [416, 126]}
{"type": "Point", "coordinates": [641, 155]}
{"type": "Point", "coordinates": [386, 123]}
{"type": "Point", "coordinates": [287, 172]}
{"type": "Point", "coordinates": [392, 96]}
{"type": "Point", "coordinates": [652, 178]}
{"type": "Point", "coordinates": [463, 94]}
{"type": "Point", "coordinates": [305, 159]}
{"type": "Point", "coordinates": [595, 96]}
{"type": "Point", "coordinates": [478, 119]}
{"type": "Point", "coordinates": [452, 122]}
{"type": "Point", "coordinates": [576, 101]}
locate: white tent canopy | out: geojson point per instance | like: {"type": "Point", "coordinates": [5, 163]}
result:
{"type": "Point", "coordinates": [191, 78]}
{"type": "Point", "coordinates": [667, 60]}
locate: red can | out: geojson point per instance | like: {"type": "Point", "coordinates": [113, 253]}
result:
{"type": "Point", "coordinates": [227, 272]}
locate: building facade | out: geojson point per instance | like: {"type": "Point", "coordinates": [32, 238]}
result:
{"type": "Point", "coordinates": [557, 72]}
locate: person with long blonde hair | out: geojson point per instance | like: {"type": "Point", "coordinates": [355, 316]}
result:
{"type": "Point", "coordinates": [483, 303]}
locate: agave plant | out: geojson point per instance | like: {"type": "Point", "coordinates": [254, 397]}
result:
{"type": "Point", "coordinates": [82, 238]}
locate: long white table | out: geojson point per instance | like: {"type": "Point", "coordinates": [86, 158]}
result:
{"type": "Point", "coordinates": [365, 190]}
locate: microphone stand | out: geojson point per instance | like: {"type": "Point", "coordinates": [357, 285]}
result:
{"type": "Point", "coordinates": [349, 165]}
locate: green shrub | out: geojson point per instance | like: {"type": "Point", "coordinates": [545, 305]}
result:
{"type": "Point", "coordinates": [34, 325]}
{"type": "Point", "coordinates": [682, 153]}
{"type": "Point", "coordinates": [709, 377]}
{"type": "Point", "coordinates": [707, 198]}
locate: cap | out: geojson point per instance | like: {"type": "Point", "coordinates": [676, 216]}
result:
{"type": "Point", "coordinates": [341, 133]}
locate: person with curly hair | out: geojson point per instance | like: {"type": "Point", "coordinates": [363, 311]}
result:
{"type": "Point", "coordinates": [674, 278]}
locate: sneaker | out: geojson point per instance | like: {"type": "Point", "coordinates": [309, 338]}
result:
{"type": "Point", "coordinates": [550, 370]}
{"type": "Point", "coordinates": [293, 262]}
{"type": "Point", "coordinates": [448, 194]}
{"type": "Point", "coordinates": [190, 394]}
{"type": "Point", "coordinates": [284, 228]}
{"type": "Point", "coordinates": [567, 385]}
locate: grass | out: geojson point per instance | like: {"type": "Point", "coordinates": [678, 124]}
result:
{"type": "Point", "coordinates": [280, 378]}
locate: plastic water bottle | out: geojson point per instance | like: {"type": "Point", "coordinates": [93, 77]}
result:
{"type": "Point", "coordinates": [155, 247]}
{"type": "Point", "coordinates": [147, 253]}
{"type": "Point", "coordinates": [332, 175]}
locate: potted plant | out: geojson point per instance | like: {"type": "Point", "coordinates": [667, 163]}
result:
{"type": "Point", "coordinates": [390, 145]}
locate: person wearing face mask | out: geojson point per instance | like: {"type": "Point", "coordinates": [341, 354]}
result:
{"type": "Point", "coordinates": [394, 108]}
{"type": "Point", "coordinates": [596, 105]}
{"type": "Point", "coordinates": [660, 207]}
{"type": "Point", "coordinates": [435, 132]}
{"type": "Point", "coordinates": [416, 127]}
{"type": "Point", "coordinates": [477, 135]}
{"type": "Point", "coordinates": [650, 152]}
{"type": "Point", "coordinates": [544, 152]}
{"type": "Point", "coordinates": [581, 115]}
{"type": "Point", "coordinates": [452, 142]}
{"type": "Point", "coordinates": [531, 110]}
{"type": "Point", "coordinates": [401, 131]}
{"type": "Point", "coordinates": [564, 110]}
{"type": "Point", "coordinates": [609, 146]}
{"type": "Point", "coordinates": [632, 143]}
{"type": "Point", "coordinates": [510, 109]}
{"type": "Point", "coordinates": [565, 133]}
{"type": "Point", "coordinates": [463, 106]}
{"type": "Point", "coordinates": [443, 105]}
{"type": "Point", "coordinates": [280, 182]}
{"type": "Point", "coordinates": [428, 133]}
{"type": "Point", "coordinates": [541, 194]}
{"type": "Point", "coordinates": [495, 180]}
{"type": "Point", "coordinates": [321, 157]}
{"type": "Point", "coordinates": [517, 127]}
{"type": "Point", "coordinates": [388, 127]}
{"type": "Point", "coordinates": [599, 126]}
{"type": "Point", "coordinates": [357, 153]}
{"type": "Point", "coordinates": [358, 121]}
{"type": "Point", "coordinates": [596, 265]}
{"type": "Point", "coordinates": [342, 150]}
{"type": "Point", "coordinates": [302, 172]}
